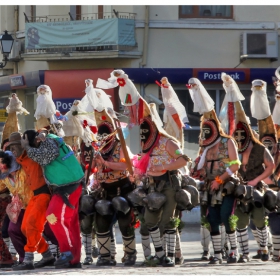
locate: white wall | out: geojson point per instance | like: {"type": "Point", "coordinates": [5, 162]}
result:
{"type": "Point", "coordinates": [257, 13]}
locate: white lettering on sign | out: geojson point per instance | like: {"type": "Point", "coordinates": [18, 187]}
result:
{"type": "Point", "coordinates": [209, 76]}
{"type": "Point", "coordinates": [17, 81]}
{"type": "Point", "coordinates": [63, 106]}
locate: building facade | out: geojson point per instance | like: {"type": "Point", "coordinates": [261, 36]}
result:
{"type": "Point", "coordinates": [61, 46]}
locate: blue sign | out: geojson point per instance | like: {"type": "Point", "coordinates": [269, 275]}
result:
{"type": "Point", "coordinates": [150, 75]}
{"type": "Point", "coordinates": [64, 105]}
{"type": "Point", "coordinates": [216, 75]}
{"type": "Point", "coordinates": [16, 81]}
{"type": "Point", "coordinates": [264, 74]}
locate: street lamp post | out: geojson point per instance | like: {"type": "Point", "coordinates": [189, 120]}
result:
{"type": "Point", "coordinates": [6, 41]}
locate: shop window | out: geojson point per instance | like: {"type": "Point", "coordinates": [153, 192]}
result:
{"type": "Point", "coordinates": [214, 12]}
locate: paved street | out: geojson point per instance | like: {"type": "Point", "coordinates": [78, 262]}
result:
{"type": "Point", "coordinates": [192, 252]}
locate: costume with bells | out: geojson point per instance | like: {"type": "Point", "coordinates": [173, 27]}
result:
{"type": "Point", "coordinates": [218, 156]}
{"type": "Point", "coordinates": [113, 186]}
{"type": "Point", "coordinates": [159, 163]}
{"type": "Point", "coordinates": [276, 119]}
{"type": "Point", "coordinates": [269, 130]}
{"type": "Point", "coordinates": [174, 119]}
{"type": "Point", "coordinates": [268, 137]}
{"type": "Point", "coordinates": [87, 217]}
{"type": "Point", "coordinates": [251, 154]}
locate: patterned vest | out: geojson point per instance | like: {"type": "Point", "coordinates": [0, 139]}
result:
{"type": "Point", "coordinates": [110, 176]}
{"type": "Point", "coordinates": [219, 165]}
{"type": "Point", "coordinates": [254, 167]}
{"type": "Point", "coordinates": [159, 154]}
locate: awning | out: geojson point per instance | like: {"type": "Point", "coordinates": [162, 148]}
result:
{"type": "Point", "coordinates": [68, 85]}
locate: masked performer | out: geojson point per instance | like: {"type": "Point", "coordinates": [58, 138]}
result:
{"type": "Point", "coordinates": [271, 134]}
{"type": "Point", "coordinates": [33, 223]}
{"type": "Point", "coordinates": [112, 177]}
{"type": "Point", "coordinates": [256, 165]}
{"type": "Point", "coordinates": [219, 158]}
{"type": "Point", "coordinates": [174, 118]}
{"type": "Point", "coordinates": [160, 160]}
{"type": "Point", "coordinates": [13, 178]}
{"type": "Point", "coordinates": [64, 176]}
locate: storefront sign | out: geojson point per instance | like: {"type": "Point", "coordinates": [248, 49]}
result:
{"type": "Point", "coordinates": [216, 75]}
{"type": "Point", "coordinates": [64, 105]}
{"type": "Point", "coordinates": [16, 81]}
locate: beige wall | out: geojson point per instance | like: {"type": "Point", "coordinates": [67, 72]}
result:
{"type": "Point", "coordinates": [257, 13]}
{"type": "Point", "coordinates": [164, 12]}
{"type": "Point", "coordinates": [197, 48]}
{"type": "Point", "coordinates": [7, 18]}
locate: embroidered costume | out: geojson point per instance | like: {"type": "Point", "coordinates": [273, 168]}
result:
{"type": "Point", "coordinates": [217, 149]}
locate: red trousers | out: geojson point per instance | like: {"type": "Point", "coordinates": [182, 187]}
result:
{"type": "Point", "coordinates": [33, 223]}
{"type": "Point", "coordinates": [64, 222]}
{"type": "Point", "coordinates": [5, 256]}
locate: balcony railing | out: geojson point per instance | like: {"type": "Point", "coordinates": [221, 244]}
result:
{"type": "Point", "coordinates": [91, 16]}
{"type": "Point", "coordinates": [68, 49]}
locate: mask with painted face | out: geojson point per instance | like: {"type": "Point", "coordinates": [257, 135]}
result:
{"type": "Point", "coordinates": [148, 134]}
{"type": "Point", "coordinates": [85, 153]}
{"type": "Point", "coordinates": [105, 129]}
{"type": "Point", "coordinates": [208, 134]}
{"type": "Point", "coordinates": [242, 136]}
{"type": "Point", "coordinates": [270, 144]}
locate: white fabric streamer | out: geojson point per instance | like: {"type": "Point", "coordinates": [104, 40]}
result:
{"type": "Point", "coordinates": [127, 88]}
{"type": "Point", "coordinates": [203, 156]}
{"type": "Point", "coordinates": [74, 125]}
{"type": "Point", "coordinates": [172, 103]}
{"type": "Point", "coordinates": [232, 90]}
{"type": "Point", "coordinates": [259, 103]}
{"type": "Point", "coordinates": [233, 94]}
{"type": "Point", "coordinates": [95, 99]}
{"type": "Point", "coordinates": [276, 112]}
{"type": "Point", "coordinates": [15, 105]}
{"type": "Point", "coordinates": [203, 103]}
{"type": "Point", "coordinates": [45, 105]}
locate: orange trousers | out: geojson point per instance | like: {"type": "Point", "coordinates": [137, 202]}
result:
{"type": "Point", "coordinates": [33, 223]}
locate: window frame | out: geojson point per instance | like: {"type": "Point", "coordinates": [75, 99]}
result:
{"type": "Point", "coordinates": [196, 13]}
